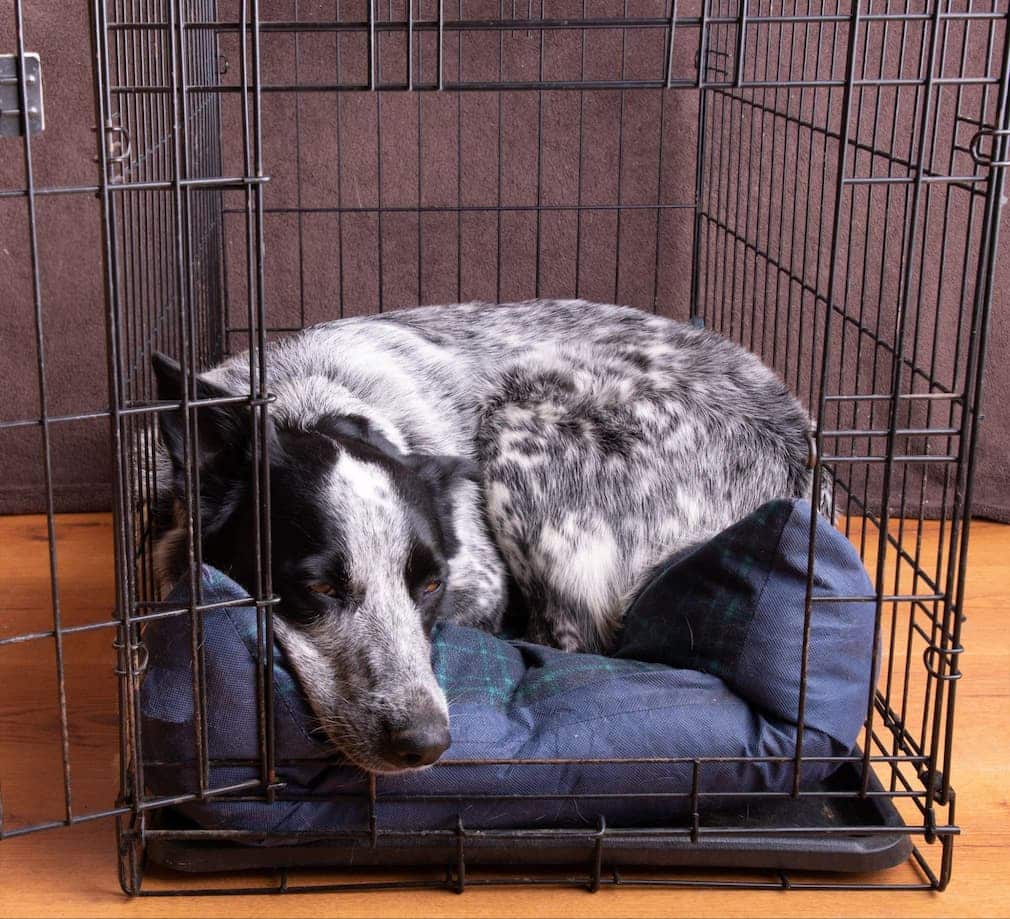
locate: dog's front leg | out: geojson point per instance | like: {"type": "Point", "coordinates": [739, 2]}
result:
{"type": "Point", "coordinates": [477, 583]}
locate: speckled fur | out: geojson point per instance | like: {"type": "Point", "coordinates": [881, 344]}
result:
{"type": "Point", "coordinates": [606, 439]}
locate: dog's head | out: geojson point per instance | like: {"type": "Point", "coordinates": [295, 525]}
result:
{"type": "Point", "coordinates": [361, 534]}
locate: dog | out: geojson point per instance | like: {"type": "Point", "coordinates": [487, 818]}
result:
{"type": "Point", "coordinates": [434, 463]}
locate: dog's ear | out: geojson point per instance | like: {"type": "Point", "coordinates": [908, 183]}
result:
{"type": "Point", "coordinates": [444, 472]}
{"type": "Point", "coordinates": [218, 427]}
{"type": "Point", "coordinates": [357, 427]}
{"type": "Point", "coordinates": [441, 472]}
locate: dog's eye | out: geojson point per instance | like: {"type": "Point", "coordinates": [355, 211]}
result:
{"type": "Point", "coordinates": [433, 585]}
{"type": "Point", "coordinates": [323, 587]}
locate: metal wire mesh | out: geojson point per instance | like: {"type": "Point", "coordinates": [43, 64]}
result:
{"type": "Point", "coordinates": [818, 180]}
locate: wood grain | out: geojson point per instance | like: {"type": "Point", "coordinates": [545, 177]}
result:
{"type": "Point", "coordinates": [72, 872]}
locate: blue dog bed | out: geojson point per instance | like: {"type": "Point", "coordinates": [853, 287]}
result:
{"type": "Point", "coordinates": [708, 665]}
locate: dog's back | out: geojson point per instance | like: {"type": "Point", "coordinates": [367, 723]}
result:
{"type": "Point", "coordinates": [610, 439]}
{"type": "Point", "coordinates": [607, 438]}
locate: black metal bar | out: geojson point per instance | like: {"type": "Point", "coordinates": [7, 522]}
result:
{"type": "Point", "coordinates": [184, 281]}
{"type": "Point", "coordinates": [512, 25]}
{"type": "Point", "coordinates": [597, 864]}
{"type": "Point", "coordinates": [410, 45]}
{"type": "Point", "coordinates": [553, 881]}
{"type": "Point", "coordinates": [974, 382]}
{"type": "Point", "coordinates": [670, 34]}
{"type": "Point", "coordinates": [474, 208]}
{"type": "Point", "coordinates": [440, 56]}
{"type": "Point", "coordinates": [460, 834]}
{"type": "Point", "coordinates": [695, 829]}
{"type": "Point", "coordinates": [535, 85]}
{"type": "Point", "coordinates": [373, 74]}
{"type": "Point", "coordinates": [857, 758]}
{"type": "Point", "coordinates": [846, 113]}
{"type": "Point", "coordinates": [901, 324]}
{"type": "Point", "coordinates": [540, 161]}
{"type": "Point", "coordinates": [43, 395]}
{"type": "Point", "coordinates": [580, 161]}
{"type": "Point", "coordinates": [588, 834]}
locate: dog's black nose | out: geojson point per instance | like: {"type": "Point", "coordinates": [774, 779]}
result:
{"type": "Point", "coordinates": [418, 746]}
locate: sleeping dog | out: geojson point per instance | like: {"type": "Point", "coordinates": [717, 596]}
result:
{"type": "Point", "coordinates": [426, 463]}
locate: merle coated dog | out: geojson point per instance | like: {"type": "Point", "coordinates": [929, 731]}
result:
{"type": "Point", "coordinates": [426, 463]}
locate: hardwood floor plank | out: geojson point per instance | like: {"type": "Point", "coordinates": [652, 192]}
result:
{"type": "Point", "coordinates": [72, 872]}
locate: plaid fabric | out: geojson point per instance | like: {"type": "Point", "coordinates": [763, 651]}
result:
{"type": "Point", "coordinates": [475, 668]}
{"type": "Point", "coordinates": [720, 632]}
{"type": "Point", "coordinates": [698, 607]}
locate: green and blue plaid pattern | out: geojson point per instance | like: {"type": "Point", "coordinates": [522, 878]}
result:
{"type": "Point", "coordinates": [481, 669]}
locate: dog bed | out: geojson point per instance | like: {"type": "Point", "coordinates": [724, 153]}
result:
{"type": "Point", "coordinates": [708, 666]}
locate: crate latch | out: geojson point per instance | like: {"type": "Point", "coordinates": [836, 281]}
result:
{"type": "Point", "coordinates": [11, 120]}
{"type": "Point", "coordinates": [983, 158]}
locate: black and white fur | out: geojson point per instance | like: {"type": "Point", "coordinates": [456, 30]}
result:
{"type": "Point", "coordinates": [422, 461]}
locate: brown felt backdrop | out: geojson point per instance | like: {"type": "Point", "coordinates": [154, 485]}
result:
{"type": "Point", "coordinates": [319, 266]}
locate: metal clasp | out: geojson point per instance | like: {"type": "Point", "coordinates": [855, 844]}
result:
{"type": "Point", "coordinates": [140, 658]}
{"type": "Point", "coordinates": [975, 148]}
{"type": "Point", "coordinates": [934, 653]}
{"type": "Point", "coordinates": [118, 143]}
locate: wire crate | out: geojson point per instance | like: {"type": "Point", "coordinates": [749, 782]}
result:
{"type": "Point", "coordinates": [819, 180]}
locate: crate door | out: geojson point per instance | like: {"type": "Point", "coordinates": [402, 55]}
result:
{"type": "Point", "coordinates": [113, 196]}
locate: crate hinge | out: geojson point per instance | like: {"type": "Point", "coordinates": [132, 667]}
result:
{"type": "Point", "coordinates": [11, 120]}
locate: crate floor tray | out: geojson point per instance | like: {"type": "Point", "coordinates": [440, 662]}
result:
{"type": "Point", "coordinates": [881, 844]}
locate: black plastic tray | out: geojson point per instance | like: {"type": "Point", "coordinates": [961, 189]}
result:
{"type": "Point", "coordinates": [838, 852]}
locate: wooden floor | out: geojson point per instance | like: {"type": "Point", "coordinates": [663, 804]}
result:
{"type": "Point", "coordinates": [72, 872]}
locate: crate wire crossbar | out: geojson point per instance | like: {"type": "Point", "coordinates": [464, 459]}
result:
{"type": "Point", "coordinates": [836, 146]}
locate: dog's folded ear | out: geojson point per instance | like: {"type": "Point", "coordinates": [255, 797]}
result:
{"type": "Point", "coordinates": [357, 427]}
{"type": "Point", "coordinates": [217, 428]}
{"type": "Point", "coordinates": [443, 472]}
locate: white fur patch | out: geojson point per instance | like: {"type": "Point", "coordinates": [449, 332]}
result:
{"type": "Point", "coordinates": [583, 557]}
{"type": "Point", "coordinates": [372, 519]}
{"type": "Point", "coordinates": [498, 497]}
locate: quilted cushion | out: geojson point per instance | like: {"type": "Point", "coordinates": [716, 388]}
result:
{"type": "Point", "coordinates": [708, 666]}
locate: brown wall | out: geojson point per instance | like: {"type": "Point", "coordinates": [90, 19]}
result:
{"type": "Point", "coordinates": [320, 264]}
{"type": "Point", "coordinates": [70, 272]}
